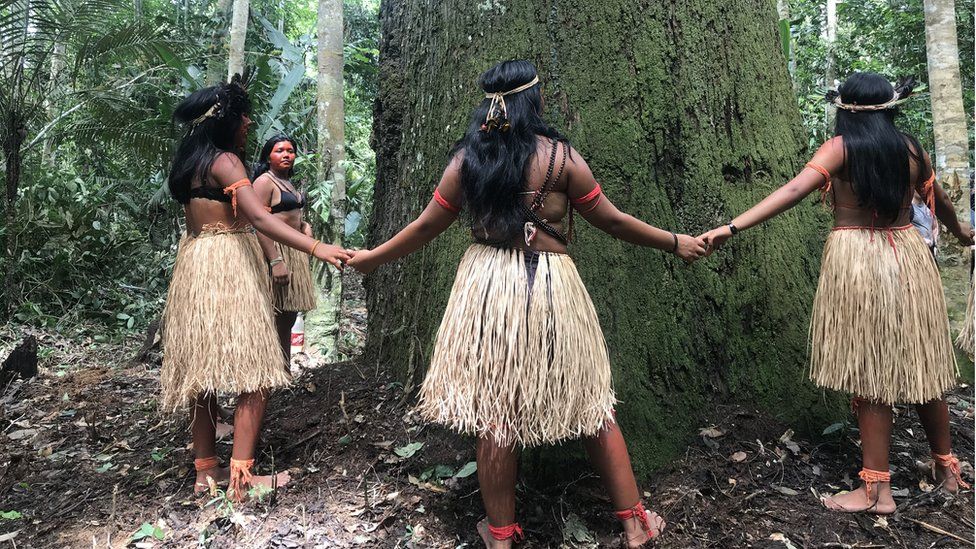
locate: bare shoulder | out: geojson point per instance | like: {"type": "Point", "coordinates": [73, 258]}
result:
{"type": "Point", "coordinates": [227, 169]}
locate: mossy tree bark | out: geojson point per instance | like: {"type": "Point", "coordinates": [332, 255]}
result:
{"type": "Point", "coordinates": [685, 112]}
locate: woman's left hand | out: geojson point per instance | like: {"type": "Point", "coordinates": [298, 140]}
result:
{"type": "Point", "coordinates": [965, 234]}
{"type": "Point", "coordinates": [362, 261]}
{"type": "Point", "coordinates": [715, 238]}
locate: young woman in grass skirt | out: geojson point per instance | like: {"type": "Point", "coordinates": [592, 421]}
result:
{"type": "Point", "coordinates": [520, 359]}
{"type": "Point", "coordinates": [218, 328]}
{"type": "Point", "coordinates": [879, 327]}
{"type": "Point", "coordinates": [292, 290]}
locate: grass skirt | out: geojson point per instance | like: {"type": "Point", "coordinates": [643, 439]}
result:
{"type": "Point", "coordinates": [968, 333]}
{"type": "Point", "coordinates": [299, 294]}
{"type": "Point", "coordinates": [525, 365]}
{"type": "Point", "coordinates": [879, 327]}
{"type": "Point", "coordinates": [218, 325]}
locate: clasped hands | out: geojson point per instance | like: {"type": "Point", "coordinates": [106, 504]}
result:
{"type": "Point", "coordinates": [691, 248]}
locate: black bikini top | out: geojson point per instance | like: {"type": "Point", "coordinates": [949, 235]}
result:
{"type": "Point", "coordinates": [289, 201]}
{"type": "Point", "coordinates": [210, 193]}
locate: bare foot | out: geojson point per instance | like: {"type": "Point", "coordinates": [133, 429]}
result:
{"type": "Point", "coordinates": [262, 485]}
{"type": "Point", "coordinates": [634, 534]}
{"type": "Point", "coordinates": [944, 476]}
{"type": "Point", "coordinates": [491, 542]}
{"type": "Point", "coordinates": [880, 503]}
{"type": "Point", "coordinates": [219, 475]}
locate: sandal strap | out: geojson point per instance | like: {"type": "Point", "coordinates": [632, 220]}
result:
{"type": "Point", "coordinates": [207, 463]}
{"type": "Point", "coordinates": [870, 476]}
{"type": "Point", "coordinates": [637, 512]}
{"type": "Point", "coordinates": [513, 532]}
{"type": "Point", "coordinates": [240, 477]}
{"type": "Point", "coordinates": [951, 462]}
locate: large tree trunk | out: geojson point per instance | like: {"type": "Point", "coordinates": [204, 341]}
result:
{"type": "Point", "coordinates": [331, 141]}
{"type": "Point", "coordinates": [218, 43]}
{"type": "Point", "coordinates": [238, 35]}
{"type": "Point", "coordinates": [685, 112]}
{"type": "Point", "coordinates": [948, 113]}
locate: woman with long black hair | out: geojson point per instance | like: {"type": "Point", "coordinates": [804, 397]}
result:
{"type": "Point", "coordinates": [879, 327]}
{"type": "Point", "coordinates": [520, 359]}
{"type": "Point", "coordinates": [218, 330]}
{"type": "Point", "coordinates": [291, 276]}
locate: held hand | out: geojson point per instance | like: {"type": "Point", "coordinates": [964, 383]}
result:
{"type": "Point", "coordinates": [965, 234]}
{"type": "Point", "coordinates": [362, 262]}
{"type": "Point", "coordinates": [307, 229]}
{"type": "Point", "coordinates": [280, 274]}
{"type": "Point", "coordinates": [332, 254]}
{"type": "Point", "coordinates": [690, 248]}
{"type": "Point", "coordinates": [715, 238]}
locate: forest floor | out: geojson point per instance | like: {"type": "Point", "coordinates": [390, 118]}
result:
{"type": "Point", "coordinates": [86, 461]}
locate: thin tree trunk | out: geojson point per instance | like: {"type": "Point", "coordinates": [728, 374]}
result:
{"type": "Point", "coordinates": [948, 113]}
{"type": "Point", "coordinates": [238, 34]}
{"type": "Point", "coordinates": [685, 113]}
{"type": "Point", "coordinates": [786, 36]}
{"type": "Point", "coordinates": [331, 140]}
{"type": "Point", "coordinates": [218, 44]}
{"type": "Point", "coordinates": [57, 65]}
{"type": "Point", "coordinates": [830, 74]}
{"type": "Point", "coordinates": [16, 133]}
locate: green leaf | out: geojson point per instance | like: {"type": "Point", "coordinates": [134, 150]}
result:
{"type": "Point", "coordinates": [10, 515]}
{"type": "Point", "coordinates": [147, 530]}
{"type": "Point", "coordinates": [833, 428]}
{"type": "Point", "coordinates": [409, 450]}
{"type": "Point", "coordinates": [344, 440]}
{"type": "Point", "coordinates": [467, 470]}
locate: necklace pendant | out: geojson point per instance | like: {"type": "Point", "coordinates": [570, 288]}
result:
{"type": "Point", "coordinates": [529, 231]}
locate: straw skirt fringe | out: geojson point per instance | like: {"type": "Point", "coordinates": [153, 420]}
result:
{"type": "Point", "coordinates": [218, 324]}
{"type": "Point", "coordinates": [524, 365]}
{"type": "Point", "coordinates": [879, 325]}
{"type": "Point", "coordinates": [299, 294]}
{"type": "Point", "coordinates": [968, 333]}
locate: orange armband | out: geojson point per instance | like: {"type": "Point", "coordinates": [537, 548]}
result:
{"type": "Point", "coordinates": [444, 203]}
{"type": "Point", "coordinates": [593, 196]}
{"type": "Point", "coordinates": [232, 191]}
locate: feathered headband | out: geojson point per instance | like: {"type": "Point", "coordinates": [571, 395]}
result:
{"type": "Point", "coordinates": [230, 98]}
{"type": "Point", "coordinates": [902, 93]}
{"type": "Point", "coordinates": [497, 116]}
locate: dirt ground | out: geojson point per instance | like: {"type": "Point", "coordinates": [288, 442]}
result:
{"type": "Point", "coordinates": [86, 461]}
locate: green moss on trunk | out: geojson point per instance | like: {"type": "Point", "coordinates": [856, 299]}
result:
{"type": "Point", "coordinates": [685, 113]}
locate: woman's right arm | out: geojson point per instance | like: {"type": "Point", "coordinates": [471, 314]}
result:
{"type": "Point", "coordinates": [829, 158]}
{"type": "Point", "coordinates": [228, 170]}
{"type": "Point", "coordinates": [586, 196]}
{"type": "Point", "coordinates": [440, 213]}
{"type": "Point", "coordinates": [944, 208]}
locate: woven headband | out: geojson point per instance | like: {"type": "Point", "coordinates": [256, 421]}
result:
{"type": "Point", "coordinates": [893, 102]}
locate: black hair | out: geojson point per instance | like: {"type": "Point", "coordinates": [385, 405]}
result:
{"type": "Point", "coordinates": [877, 153]}
{"type": "Point", "coordinates": [496, 155]}
{"type": "Point", "coordinates": [213, 118]}
{"type": "Point", "coordinates": [263, 165]}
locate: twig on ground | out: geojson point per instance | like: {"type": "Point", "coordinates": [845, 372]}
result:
{"type": "Point", "coordinates": [938, 530]}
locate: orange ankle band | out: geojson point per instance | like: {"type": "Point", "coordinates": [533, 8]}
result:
{"type": "Point", "coordinates": [205, 464]}
{"type": "Point", "coordinates": [513, 532]}
{"type": "Point", "coordinates": [637, 512]}
{"type": "Point", "coordinates": [240, 477]}
{"type": "Point", "coordinates": [870, 476]}
{"type": "Point", "coordinates": [952, 463]}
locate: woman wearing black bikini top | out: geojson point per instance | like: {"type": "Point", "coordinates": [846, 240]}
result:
{"type": "Point", "coordinates": [291, 274]}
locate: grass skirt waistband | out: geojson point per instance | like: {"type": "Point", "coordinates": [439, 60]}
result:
{"type": "Point", "coordinates": [519, 355]}
{"type": "Point", "coordinates": [218, 324]}
{"type": "Point", "coordinates": [879, 326]}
